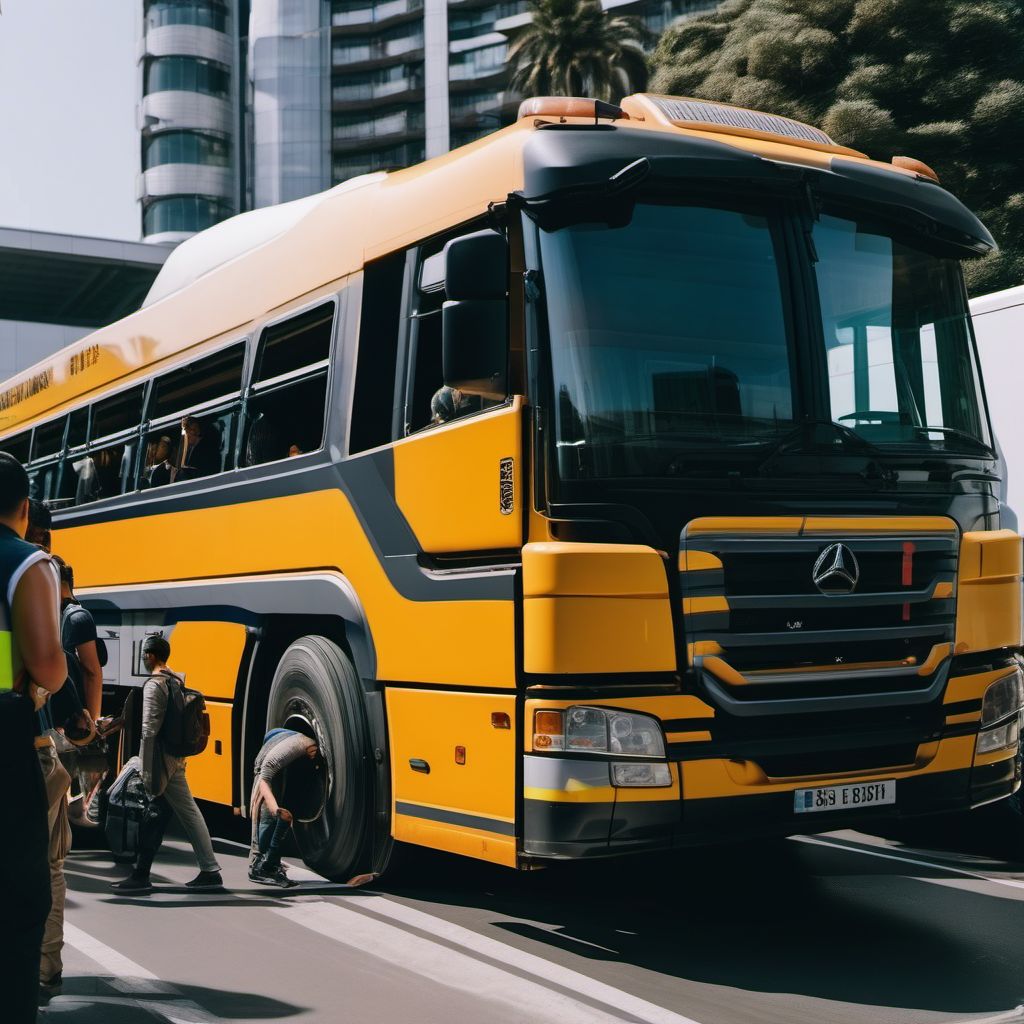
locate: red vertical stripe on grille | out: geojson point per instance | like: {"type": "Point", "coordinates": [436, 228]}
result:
{"type": "Point", "coordinates": [907, 577]}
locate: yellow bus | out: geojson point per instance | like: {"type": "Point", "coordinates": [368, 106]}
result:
{"type": "Point", "coordinates": [620, 481]}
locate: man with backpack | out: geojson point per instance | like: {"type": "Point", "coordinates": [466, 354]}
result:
{"type": "Point", "coordinates": [173, 724]}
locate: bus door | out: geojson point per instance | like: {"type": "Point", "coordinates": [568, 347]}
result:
{"type": "Point", "coordinates": [458, 482]}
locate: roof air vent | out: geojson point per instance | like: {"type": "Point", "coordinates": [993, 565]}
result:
{"type": "Point", "coordinates": [686, 113]}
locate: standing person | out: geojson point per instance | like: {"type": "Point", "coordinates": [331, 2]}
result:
{"type": "Point", "coordinates": [163, 776]}
{"type": "Point", "coordinates": [32, 666]}
{"type": "Point", "coordinates": [56, 780]}
{"type": "Point", "coordinates": [271, 822]}
{"type": "Point", "coordinates": [79, 638]}
{"type": "Point", "coordinates": [78, 635]}
{"type": "Point", "coordinates": [40, 523]}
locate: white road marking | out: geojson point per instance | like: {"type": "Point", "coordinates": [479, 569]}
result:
{"type": "Point", "coordinates": [467, 973]}
{"type": "Point", "coordinates": [134, 980]}
{"type": "Point", "coordinates": [1014, 1016]}
{"type": "Point", "coordinates": [917, 861]}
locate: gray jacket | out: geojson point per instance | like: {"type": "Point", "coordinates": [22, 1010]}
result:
{"type": "Point", "coordinates": [157, 765]}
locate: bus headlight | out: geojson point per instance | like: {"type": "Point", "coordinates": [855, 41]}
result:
{"type": "Point", "coordinates": [1002, 699]}
{"type": "Point", "coordinates": [1000, 714]}
{"type": "Point", "coordinates": [640, 773]}
{"type": "Point", "coordinates": [999, 737]}
{"type": "Point", "coordinates": [598, 731]}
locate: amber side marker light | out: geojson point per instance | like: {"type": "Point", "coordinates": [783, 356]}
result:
{"type": "Point", "coordinates": [570, 106]}
{"type": "Point", "coordinates": [500, 720]}
{"type": "Point", "coordinates": [908, 163]}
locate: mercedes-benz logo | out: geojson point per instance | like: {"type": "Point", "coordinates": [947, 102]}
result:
{"type": "Point", "coordinates": [836, 571]}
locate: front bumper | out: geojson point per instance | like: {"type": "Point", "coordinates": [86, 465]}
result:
{"type": "Point", "coordinates": [651, 820]}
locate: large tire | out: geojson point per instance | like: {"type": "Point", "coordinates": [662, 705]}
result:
{"type": "Point", "coordinates": [316, 690]}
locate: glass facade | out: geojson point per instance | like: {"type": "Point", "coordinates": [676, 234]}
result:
{"type": "Point", "coordinates": [185, 147]}
{"type": "Point", "coordinates": [478, 22]}
{"type": "Point", "coordinates": [183, 214]}
{"type": "Point", "coordinates": [378, 84]}
{"type": "Point", "coordinates": [187, 74]}
{"type": "Point", "coordinates": [366, 12]}
{"type": "Point", "coordinates": [204, 13]}
{"type": "Point", "coordinates": [191, 115]}
{"type": "Point", "coordinates": [488, 60]}
{"type": "Point", "coordinates": [289, 53]}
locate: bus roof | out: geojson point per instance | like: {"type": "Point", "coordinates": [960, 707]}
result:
{"type": "Point", "coordinates": [225, 279]}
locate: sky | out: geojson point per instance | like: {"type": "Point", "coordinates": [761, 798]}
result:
{"type": "Point", "coordinates": [69, 146]}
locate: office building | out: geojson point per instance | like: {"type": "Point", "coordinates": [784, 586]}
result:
{"type": "Point", "coordinates": [192, 89]}
{"type": "Point", "coordinates": [248, 103]}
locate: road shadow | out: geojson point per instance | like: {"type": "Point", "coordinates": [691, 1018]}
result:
{"type": "Point", "coordinates": [98, 1000]}
{"type": "Point", "coordinates": [780, 917]}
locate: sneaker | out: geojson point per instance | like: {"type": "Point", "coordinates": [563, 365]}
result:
{"type": "Point", "coordinates": [206, 880]}
{"type": "Point", "coordinates": [275, 874]}
{"type": "Point", "coordinates": [138, 884]}
{"type": "Point", "coordinates": [52, 987]}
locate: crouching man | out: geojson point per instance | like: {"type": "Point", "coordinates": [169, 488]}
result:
{"type": "Point", "coordinates": [271, 822]}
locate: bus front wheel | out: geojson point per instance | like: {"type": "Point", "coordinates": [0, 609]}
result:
{"type": "Point", "coordinates": [316, 691]}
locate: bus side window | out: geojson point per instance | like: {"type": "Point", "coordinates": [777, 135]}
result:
{"type": "Point", "coordinates": [428, 402]}
{"type": "Point", "coordinates": [47, 445]}
{"type": "Point", "coordinates": [209, 390]}
{"type": "Point", "coordinates": [287, 405]}
{"type": "Point", "coordinates": [18, 446]}
{"type": "Point", "coordinates": [380, 312]}
{"type": "Point", "coordinates": [106, 468]}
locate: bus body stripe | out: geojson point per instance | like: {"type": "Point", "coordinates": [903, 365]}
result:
{"type": "Point", "coordinates": [502, 828]}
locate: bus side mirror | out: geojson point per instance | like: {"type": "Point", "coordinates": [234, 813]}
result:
{"type": "Point", "coordinates": [474, 346]}
{"type": "Point", "coordinates": [474, 320]}
{"type": "Point", "coordinates": [476, 266]}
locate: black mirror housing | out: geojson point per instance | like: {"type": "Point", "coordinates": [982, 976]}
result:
{"type": "Point", "coordinates": [476, 267]}
{"type": "Point", "coordinates": [475, 347]}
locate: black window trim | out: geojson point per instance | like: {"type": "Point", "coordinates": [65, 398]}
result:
{"type": "Point", "coordinates": [151, 397]}
{"type": "Point", "coordinates": [254, 389]}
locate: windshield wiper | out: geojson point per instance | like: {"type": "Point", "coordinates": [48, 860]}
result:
{"type": "Point", "coordinates": [802, 437]}
{"type": "Point", "coordinates": [959, 435]}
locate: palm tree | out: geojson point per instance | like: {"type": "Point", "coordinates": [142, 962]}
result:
{"type": "Point", "coordinates": [572, 48]}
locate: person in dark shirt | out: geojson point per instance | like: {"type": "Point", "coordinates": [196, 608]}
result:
{"type": "Point", "coordinates": [202, 450]}
{"type": "Point", "coordinates": [78, 634]}
{"type": "Point", "coordinates": [31, 663]}
{"type": "Point", "coordinates": [160, 472]}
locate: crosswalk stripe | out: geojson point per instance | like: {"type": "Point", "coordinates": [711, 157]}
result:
{"type": "Point", "coordinates": [145, 988]}
{"type": "Point", "coordinates": [546, 970]}
{"type": "Point", "coordinates": [431, 959]}
{"type": "Point", "coordinates": [447, 967]}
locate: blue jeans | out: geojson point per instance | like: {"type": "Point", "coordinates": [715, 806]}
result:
{"type": "Point", "coordinates": [270, 834]}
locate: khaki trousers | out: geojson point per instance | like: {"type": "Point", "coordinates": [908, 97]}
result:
{"type": "Point", "coordinates": [57, 781]}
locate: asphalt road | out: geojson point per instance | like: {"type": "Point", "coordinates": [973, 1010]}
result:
{"type": "Point", "coordinates": [845, 928]}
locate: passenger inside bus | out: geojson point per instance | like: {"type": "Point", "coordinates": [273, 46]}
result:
{"type": "Point", "coordinates": [159, 469]}
{"type": "Point", "coordinates": [286, 422]}
{"type": "Point", "coordinates": [202, 455]}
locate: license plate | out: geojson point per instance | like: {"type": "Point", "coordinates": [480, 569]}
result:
{"type": "Point", "coordinates": [839, 798]}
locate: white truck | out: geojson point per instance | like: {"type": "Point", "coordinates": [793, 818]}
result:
{"type": "Point", "coordinates": [999, 327]}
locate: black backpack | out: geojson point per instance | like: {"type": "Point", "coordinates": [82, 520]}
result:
{"type": "Point", "coordinates": [186, 727]}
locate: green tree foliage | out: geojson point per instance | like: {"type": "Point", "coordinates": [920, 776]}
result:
{"type": "Point", "coordinates": [572, 48]}
{"type": "Point", "coordinates": [940, 80]}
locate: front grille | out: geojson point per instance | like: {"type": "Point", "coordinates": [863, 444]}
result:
{"type": "Point", "coordinates": [882, 622]}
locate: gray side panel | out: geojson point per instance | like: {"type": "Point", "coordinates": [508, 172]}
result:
{"type": "Point", "coordinates": [243, 601]}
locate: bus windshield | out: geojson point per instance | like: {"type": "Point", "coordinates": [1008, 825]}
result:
{"type": "Point", "coordinates": [671, 334]}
